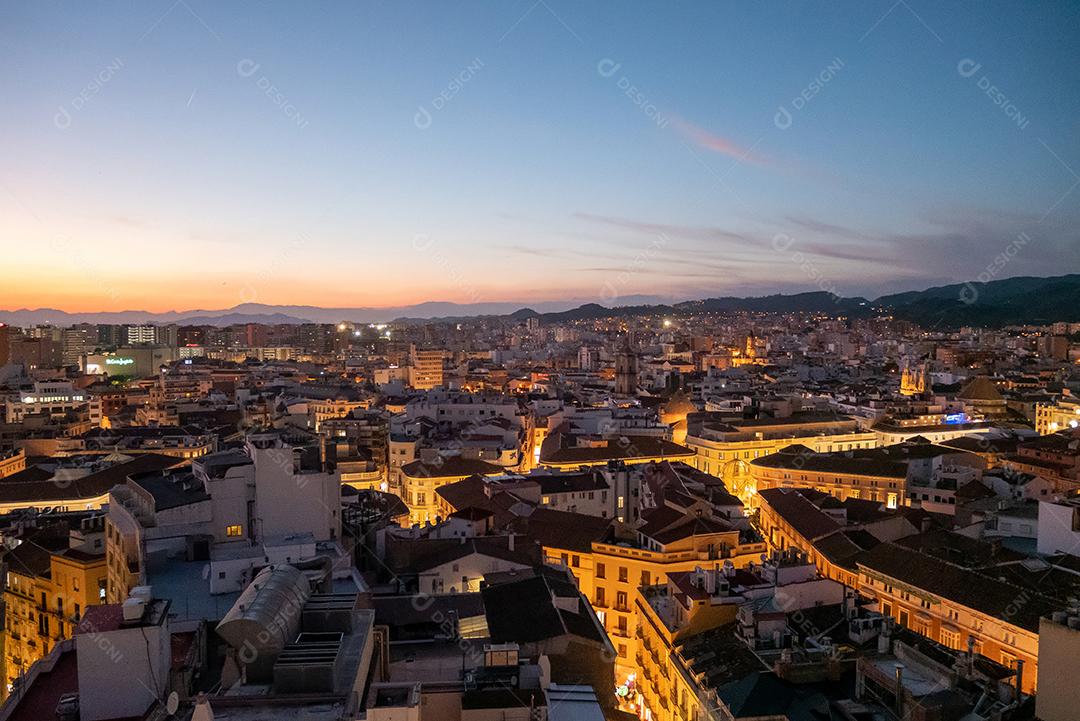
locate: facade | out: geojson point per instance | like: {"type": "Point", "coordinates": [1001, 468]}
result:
{"type": "Point", "coordinates": [47, 591]}
{"type": "Point", "coordinates": [11, 462]}
{"type": "Point", "coordinates": [426, 368]}
{"type": "Point", "coordinates": [725, 448]}
{"type": "Point", "coordinates": [52, 398]}
{"type": "Point", "coordinates": [1062, 414]}
{"type": "Point", "coordinates": [956, 606]}
{"type": "Point", "coordinates": [609, 572]}
{"type": "Point", "coordinates": [130, 362]}
{"type": "Point", "coordinates": [421, 478]}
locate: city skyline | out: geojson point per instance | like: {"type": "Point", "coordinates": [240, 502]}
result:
{"type": "Point", "coordinates": [351, 157]}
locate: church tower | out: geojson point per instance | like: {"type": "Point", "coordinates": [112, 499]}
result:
{"type": "Point", "coordinates": [626, 371]}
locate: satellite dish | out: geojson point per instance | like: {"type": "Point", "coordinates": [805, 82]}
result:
{"type": "Point", "coordinates": [172, 703]}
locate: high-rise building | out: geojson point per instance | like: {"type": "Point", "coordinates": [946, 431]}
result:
{"type": "Point", "coordinates": [137, 334]}
{"type": "Point", "coordinates": [77, 341]}
{"type": "Point", "coordinates": [37, 352]}
{"type": "Point", "coordinates": [5, 344]}
{"type": "Point", "coordinates": [426, 368]}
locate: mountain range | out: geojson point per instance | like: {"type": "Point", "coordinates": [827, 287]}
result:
{"type": "Point", "coordinates": [1010, 301]}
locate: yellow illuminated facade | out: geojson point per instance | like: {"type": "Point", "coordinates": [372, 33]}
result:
{"type": "Point", "coordinates": [43, 605]}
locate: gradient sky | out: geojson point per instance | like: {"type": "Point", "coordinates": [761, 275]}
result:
{"type": "Point", "coordinates": [194, 154]}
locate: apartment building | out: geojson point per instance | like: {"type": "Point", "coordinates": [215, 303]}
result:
{"type": "Point", "coordinates": [994, 610]}
{"type": "Point", "coordinates": [52, 578]}
{"type": "Point", "coordinates": [913, 473]}
{"type": "Point", "coordinates": [231, 510]}
{"type": "Point", "coordinates": [426, 368]}
{"type": "Point", "coordinates": [725, 448]}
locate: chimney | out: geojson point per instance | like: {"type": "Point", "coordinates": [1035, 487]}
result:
{"type": "Point", "coordinates": [1019, 678]}
{"type": "Point", "coordinates": [510, 542]}
{"type": "Point", "coordinates": [900, 690]}
{"type": "Point", "coordinates": [202, 712]}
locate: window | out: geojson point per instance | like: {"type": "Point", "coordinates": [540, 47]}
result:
{"type": "Point", "coordinates": [620, 601]}
{"type": "Point", "coordinates": [950, 638]}
{"type": "Point", "coordinates": [234, 531]}
{"type": "Point", "coordinates": [601, 571]}
{"type": "Point", "coordinates": [623, 574]}
{"type": "Point", "coordinates": [601, 601]}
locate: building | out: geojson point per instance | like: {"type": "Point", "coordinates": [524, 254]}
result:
{"type": "Point", "coordinates": [130, 362]}
{"type": "Point", "coordinates": [426, 368]}
{"type": "Point", "coordinates": [230, 512]}
{"type": "Point", "coordinates": [726, 447]}
{"type": "Point", "coordinates": [140, 335]}
{"type": "Point", "coordinates": [918, 474]}
{"type": "Point", "coordinates": [1060, 415]}
{"type": "Point", "coordinates": [422, 478]}
{"type": "Point", "coordinates": [626, 371]}
{"type": "Point", "coordinates": [958, 607]}
{"type": "Point", "coordinates": [52, 398]}
{"type": "Point", "coordinates": [1059, 527]}
{"type": "Point", "coordinates": [78, 341]}
{"type": "Point", "coordinates": [566, 450]}
{"type": "Point", "coordinates": [11, 462]}
{"type": "Point", "coordinates": [5, 344]}
{"type": "Point", "coordinates": [733, 611]}
{"type": "Point", "coordinates": [52, 580]}
{"type": "Point", "coordinates": [35, 353]}
{"type": "Point", "coordinates": [671, 540]}
{"type": "Point", "coordinates": [1059, 644]}
{"type": "Point", "coordinates": [75, 484]}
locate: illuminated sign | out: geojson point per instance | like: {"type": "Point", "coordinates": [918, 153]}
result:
{"type": "Point", "coordinates": [956, 418]}
{"type": "Point", "coordinates": [119, 361]}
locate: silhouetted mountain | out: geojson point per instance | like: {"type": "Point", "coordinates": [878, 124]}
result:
{"type": "Point", "coordinates": [1010, 301]}
{"type": "Point", "coordinates": [241, 318]}
{"type": "Point", "coordinates": [814, 302]}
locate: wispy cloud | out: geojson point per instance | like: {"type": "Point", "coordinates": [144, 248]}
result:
{"type": "Point", "coordinates": [689, 232]}
{"type": "Point", "coordinates": [716, 143]}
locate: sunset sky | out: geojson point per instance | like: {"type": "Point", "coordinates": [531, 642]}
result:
{"type": "Point", "coordinates": [193, 154]}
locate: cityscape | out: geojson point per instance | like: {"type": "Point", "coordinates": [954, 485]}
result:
{"type": "Point", "coordinates": [540, 361]}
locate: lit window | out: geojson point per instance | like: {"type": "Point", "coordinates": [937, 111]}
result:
{"type": "Point", "coordinates": [234, 531]}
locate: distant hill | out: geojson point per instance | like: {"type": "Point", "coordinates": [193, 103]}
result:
{"type": "Point", "coordinates": [241, 318]}
{"type": "Point", "coordinates": [1010, 301]}
{"type": "Point", "coordinates": [815, 302]}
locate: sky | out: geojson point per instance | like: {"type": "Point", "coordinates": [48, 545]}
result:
{"type": "Point", "coordinates": [183, 154]}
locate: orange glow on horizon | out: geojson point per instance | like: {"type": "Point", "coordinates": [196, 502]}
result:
{"type": "Point", "coordinates": [208, 293]}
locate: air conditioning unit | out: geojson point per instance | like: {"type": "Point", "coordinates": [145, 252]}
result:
{"type": "Point", "coordinates": [133, 609]}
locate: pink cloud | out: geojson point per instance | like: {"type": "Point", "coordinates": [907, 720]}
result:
{"type": "Point", "coordinates": [716, 144]}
